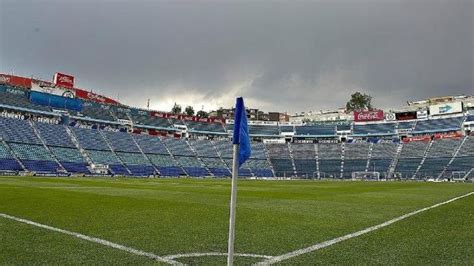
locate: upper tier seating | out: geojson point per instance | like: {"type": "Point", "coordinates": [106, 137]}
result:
{"type": "Point", "coordinates": [151, 144]}
{"type": "Point", "coordinates": [121, 141]}
{"type": "Point", "coordinates": [142, 117]}
{"type": "Point", "coordinates": [97, 111]}
{"type": "Point", "coordinates": [18, 98]}
{"type": "Point", "coordinates": [407, 126]}
{"type": "Point", "coordinates": [90, 139]}
{"type": "Point", "coordinates": [316, 130]}
{"type": "Point", "coordinates": [205, 126]}
{"type": "Point", "coordinates": [374, 129]}
{"type": "Point", "coordinates": [287, 128]}
{"type": "Point", "coordinates": [178, 146]}
{"type": "Point", "coordinates": [16, 130]}
{"type": "Point", "coordinates": [439, 125]}
{"type": "Point", "coordinates": [263, 130]}
{"type": "Point", "coordinates": [54, 135]}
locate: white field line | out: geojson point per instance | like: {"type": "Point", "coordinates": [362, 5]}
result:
{"type": "Point", "coordinates": [328, 243]}
{"type": "Point", "coordinates": [94, 240]}
{"type": "Point", "coordinates": [191, 255]}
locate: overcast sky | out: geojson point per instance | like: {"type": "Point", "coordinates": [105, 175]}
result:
{"type": "Point", "coordinates": [280, 55]}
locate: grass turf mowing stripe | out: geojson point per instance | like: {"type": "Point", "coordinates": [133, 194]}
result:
{"type": "Point", "coordinates": [328, 243]}
{"type": "Point", "coordinates": [94, 240]}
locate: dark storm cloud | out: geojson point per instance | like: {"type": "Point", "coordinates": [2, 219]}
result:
{"type": "Point", "coordinates": [285, 56]}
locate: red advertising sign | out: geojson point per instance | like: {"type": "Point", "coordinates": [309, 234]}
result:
{"type": "Point", "coordinates": [452, 135]}
{"type": "Point", "coordinates": [417, 138]}
{"type": "Point", "coordinates": [94, 97]}
{"type": "Point", "coordinates": [406, 115]}
{"type": "Point", "coordinates": [364, 116]}
{"type": "Point", "coordinates": [64, 80]}
{"type": "Point", "coordinates": [15, 81]}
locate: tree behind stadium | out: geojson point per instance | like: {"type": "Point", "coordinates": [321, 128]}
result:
{"type": "Point", "coordinates": [359, 102]}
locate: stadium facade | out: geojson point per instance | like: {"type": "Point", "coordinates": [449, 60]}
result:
{"type": "Point", "coordinates": [53, 128]}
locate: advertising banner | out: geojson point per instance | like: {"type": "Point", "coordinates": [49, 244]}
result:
{"type": "Point", "coordinates": [46, 87]}
{"type": "Point", "coordinates": [64, 80]}
{"type": "Point", "coordinates": [365, 116]}
{"type": "Point", "coordinates": [406, 115]}
{"type": "Point", "coordinates": [446, 108]}
{"type": "Point", "coordinates": [389, 116]}
{"type": "Point", "coordinates": [422, 114]}
{"type": "Point", "coordinates": [15, 81]}
{"type": "Point", "coordinates": [83, 94]}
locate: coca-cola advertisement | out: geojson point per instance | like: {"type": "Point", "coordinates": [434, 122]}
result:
{"type": "Point", "coordinates": [64, 80]}
{"type": "Point", "coordinates": [365, 116]}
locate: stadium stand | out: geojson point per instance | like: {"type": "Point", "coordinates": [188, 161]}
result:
{"type": "Point", "coordinates": [382, 156]}
{"type": "Point", "coordinates": [316, 130]}
{"type": "Point", "coordinates": [97, 111]}
{"type": "Point", "coordinates": [410, 158]}
{"type": "Point", "coordinates": [8, 163]}
{"type": "Point", "coordinates": [280, 158]}
{"type": "Point", "coordinates": [261, 130]}
{"type": "Point", "coordinates": [330, 159]}
{"type": "Point", "coordinates": [438, 157]}
{"type": "Point", "coordinates": [355, 158]}
{"type": "Point", "coordinates": [439, 125]}
{"type": "Point", "coordinates": [375, 129]}
{"type": "Point", "coordinates": [12, 97]}
{"type": "Point", "coordinates": [304, 156]}
{"type": "Point", "coordinates": [463, 162]}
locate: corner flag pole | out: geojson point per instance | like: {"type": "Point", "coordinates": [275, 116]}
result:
{"type": "Point", "coordinates": [233, 202]}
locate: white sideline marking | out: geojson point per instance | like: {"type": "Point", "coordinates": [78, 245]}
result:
{"type": "Point", "coordinates": [93, 239]}
{"type": "Point", "coordinates": [190, 255]}
{"type": "Point", "coordinates": [352, 235]}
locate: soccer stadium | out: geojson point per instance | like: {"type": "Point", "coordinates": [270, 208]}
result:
{"type": "Point", "coordinates": [325, 132]}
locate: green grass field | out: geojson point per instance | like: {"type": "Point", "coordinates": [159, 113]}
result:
{"type": "Point", "coordinates": [180, 216]}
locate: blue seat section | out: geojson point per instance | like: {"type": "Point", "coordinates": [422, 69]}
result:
{"type": "Point", "coordinates": [178, 147]}
{"type": "Point", "coordinates": [54, 135]}
{"type": "Point", "coordinates": [141, 170]}
{"type": "Point", "coordinates": [280, 158]}
{"type": "Point", "coordinates": [304, 155]}
{"type": "Point", "coordinates": [343, 127]}
{"type": "Point", "coordinates": [287, 129]}
{"type": "Point", "coordinates": [464, 160]}
{"type": "Point", "coordinates": [118, 169]}
{"type": "Point", "coordinates": [151, 144]}
{"type": "Point", "coordinates": [166, 165]}
{"type": "Point", "coordinates": [205, 126]}
{"type": "Point", "coordinates": [406, 126]}
{"type": "Point", "coordinates": [171, 171]}
{"type": "Point", "coordinates": [7, 161]}
{"type": "Point", "coordinates": [75, 167]}
{"type": "Point", "coordinates": [192, 165]}
{"type": "Point", "coordinates": [97, 111]}
{"type": "Point", "coordinates": [220, 172]}
{"type": "Point", "coordinates": [258, 150]}
{"type": "Point", "coordinates": [330, 158]}
{"type": "Point", "coordinates": [90, 139]}
{"type": "Point", "coordinates": [316, 130]}
{"type": "Point", "coordinates": [375, 129]}
{"type": "Point", "coordinates": [196, 171]}
{"type": "Point", "coordinates": [204, 148]}
{"type": "Point", "coordinates": [410, 158]}
{"type": "Point", "coordinates": [121, 141]}
{"type": "Point", "coordinates": [355, 158]}
{"type": "Point", "coordinates": [224, 148]}
{"type": "Point", "coordinates": [103, 157]}
{"type": "Point", "coordinates": [259, 167]}
{"type": "Point", "coordinates": [439, 125]}
{"type": "Point", "coordinates": [18, 98]}
{"type": "Point", "coordinates": [470, 118]}
{"type": "Point", "coordinates": [16, 130]}
{"type": "Point", "coordinates": [382, 156]}
{"type": "Point", "coordinates": [264, 130]}
{"type": "Point", "coordinates": [244, 170]}
{"type": "Point", "coordinates": [438, 157]}
{"type": "Point", "coordinates": [41, 166]}
{"type": "Point", "coordinates": [262, 172]}
{"type": "Point", "coordinates": [143, 117]}
{"type": "Point", "coordinates": [9, 165]}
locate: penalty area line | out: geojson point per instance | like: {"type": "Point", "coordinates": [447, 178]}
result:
{"type": "Point", "coordinates": [331, 242]}
{"type": "Point", "coordinates": [94, 240]}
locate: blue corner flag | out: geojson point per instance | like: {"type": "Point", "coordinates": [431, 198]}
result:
{"type": "Point", "coordinates": [241, 131]}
